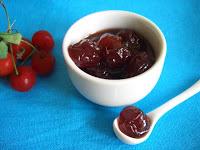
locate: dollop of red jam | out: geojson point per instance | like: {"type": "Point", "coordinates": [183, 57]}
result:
{"type": "Point", "coordinates": [113, 54]}
{"type": "Point", "coordinates": [133, 122]}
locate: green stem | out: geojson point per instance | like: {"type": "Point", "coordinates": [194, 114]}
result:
{"type": "Point", "coordinates": [13, 60]}
{"type": "Point", "coordinates": [7, 16]}
{"type": "Point", "coordinates": [32, 52]}
{"type": "Point", "coordinates": [9, 31]}
{"type": "Point", "coordinates": [31, 45]}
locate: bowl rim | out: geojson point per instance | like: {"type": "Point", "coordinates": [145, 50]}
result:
{"type": "Point", "coordinates": [89, 77]}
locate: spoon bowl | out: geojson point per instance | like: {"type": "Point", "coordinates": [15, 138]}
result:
{"type": "Point", "coordinates": [156, 114]}
{"type": "Point", "coordinates": [129, 140]}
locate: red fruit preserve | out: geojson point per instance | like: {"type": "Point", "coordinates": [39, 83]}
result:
{"type": "Point", "coordinates": [113, 54]}
{"type": "Point", "coordinates": [133, 122]}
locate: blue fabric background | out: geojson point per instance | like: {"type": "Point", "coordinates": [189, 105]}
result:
{"type": "Point", "coordinates": [53, 115]}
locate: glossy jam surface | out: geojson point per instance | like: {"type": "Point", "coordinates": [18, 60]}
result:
{"type": "Point", "coordinates": [113, 54]}
{"type": "Point", "coordinates": [133, 122]}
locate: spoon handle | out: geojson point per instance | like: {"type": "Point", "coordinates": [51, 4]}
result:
{"type": "Point", "coordinates": [160, 111]}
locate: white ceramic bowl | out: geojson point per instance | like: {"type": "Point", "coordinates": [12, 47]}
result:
{"type": "Point", "coordinates": [115, 92]}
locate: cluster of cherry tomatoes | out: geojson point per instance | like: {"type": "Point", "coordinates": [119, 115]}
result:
{"type": "Point", "coordinates": [37, 57]}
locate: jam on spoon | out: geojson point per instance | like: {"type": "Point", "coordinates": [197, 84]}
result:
{"type": "Point", "coordinates": [133, 122]}
{"type": "Point", "coordinates": [153, 116]}
{"type": "Point", "coordinates": [113, 54]}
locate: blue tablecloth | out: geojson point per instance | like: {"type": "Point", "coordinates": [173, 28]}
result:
{"type": "Point", "coordinates": [53, 115]}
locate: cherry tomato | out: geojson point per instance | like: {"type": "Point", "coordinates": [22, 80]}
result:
{"type": "Point", "coordinates": [43, 63]}
{"type": "Point", "coordinates": [25, 80]}
{"type": "Point", "coordinates": [22, 50]}
{"type": "Point", "coordinates": [6, 66]}
{"type": "Point", "coordinates": [43, 40]}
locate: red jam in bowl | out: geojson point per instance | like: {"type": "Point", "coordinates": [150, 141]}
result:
{"type": "Point", "coordinates": [133, 122]}
{"type": "Point", "coordinates": [113, 54]}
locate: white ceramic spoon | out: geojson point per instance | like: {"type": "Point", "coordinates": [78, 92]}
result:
{"type": "Point", "coordinates": [156, 114]}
